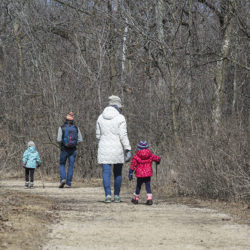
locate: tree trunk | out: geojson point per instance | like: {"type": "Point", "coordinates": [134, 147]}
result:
{"type": "Point", "coordinates": [111, 51]}
{"type": "Point", "coordinates": [173, 104]}
{"type": "Point", "coordinates": [159, 10]}
{"type": "Point", "coordinates": [220, 72]}
{"type": "Point", "coordinates": [124, 48]}
{"type": "Point", "coordinates": [235, 89]}
{"type": "Point", "coordinates": [20, 81]}
{"type": "Point", "coordinates": [189, 58]}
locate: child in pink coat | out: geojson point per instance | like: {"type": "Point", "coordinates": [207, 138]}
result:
{"type": "Point", "coordinates": [142, 165]}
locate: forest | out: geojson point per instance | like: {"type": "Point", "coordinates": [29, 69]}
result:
{"type": "Point", "coordinates": [181, 68]}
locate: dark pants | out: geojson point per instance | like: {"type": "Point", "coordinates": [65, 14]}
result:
{"type": "Point", "coordinates": [29, 172]}
{"type": "Point", "coordinates": [71, 156]}
{"type": "Point", "coordinates": [140, 181]}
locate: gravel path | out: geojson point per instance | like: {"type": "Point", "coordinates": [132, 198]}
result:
{"type": "Point", "coordinates": [86, 222]}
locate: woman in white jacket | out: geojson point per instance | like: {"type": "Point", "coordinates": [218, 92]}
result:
{"type": "Point", "coordinates": [111, 131]}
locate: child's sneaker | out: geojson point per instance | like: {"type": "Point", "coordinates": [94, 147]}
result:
{"type": "Point", "coordinates": [31, 185]}
{"type": "Point", "coordinates": [149, 199]}
{"type": "Point", "coordinates": [63, 182]}
{"type": "Point", "coordinates": [26, 185]}
{"type": "Point", "coordinates": [135, 199]}
{"type": "Point", "coordinates": [117, 199]}
{"type": "Point", "coordinates": [108, 199]}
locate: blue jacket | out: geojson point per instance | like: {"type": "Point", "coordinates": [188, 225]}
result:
{"type": "Point", "coordinates": [31, 157]}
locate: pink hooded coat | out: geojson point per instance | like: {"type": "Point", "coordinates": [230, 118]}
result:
{"type": "Point", "coordinates": [142, 163]}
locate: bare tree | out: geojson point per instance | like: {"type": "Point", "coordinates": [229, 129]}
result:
{"type": "Point", "coordinates": [182, 69]}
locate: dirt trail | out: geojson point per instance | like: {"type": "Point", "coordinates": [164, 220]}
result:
{"type": "Point", "coordinates": [86, 222]}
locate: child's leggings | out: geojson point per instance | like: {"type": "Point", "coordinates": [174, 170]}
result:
{"type": "Point", "coordinates": [140, 181]}
{"type": "Point", "coordinates": [29, 172]}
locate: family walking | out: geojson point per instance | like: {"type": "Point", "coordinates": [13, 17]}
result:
{"type": "Point", "coordinates": [113, 151]}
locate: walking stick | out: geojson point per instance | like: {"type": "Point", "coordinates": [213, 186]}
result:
{"type": "Point", "coordinates": [156, 175]}
{"type": "Point", "coordinates": [41, 176]}
{"type": "Point", "coordinates": [156, 170]}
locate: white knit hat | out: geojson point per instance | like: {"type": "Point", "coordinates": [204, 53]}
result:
{"type": "Point", "coordinates": [115, 100]}
{"type": "Point", "coordinates": [31, 143]}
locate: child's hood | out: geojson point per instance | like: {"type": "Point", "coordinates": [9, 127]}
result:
{"type": "Point", "coordinates": [31, 149]}
{"type": "Point", "coordinates": [144, 155]}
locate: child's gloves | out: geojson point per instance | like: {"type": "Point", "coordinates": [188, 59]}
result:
{"type": "Point", "coordinates": [127, 155]}
{"type": "Point", "coordinates": [130, 174]}
{"type": "Point", "coordinates": [24, 166]}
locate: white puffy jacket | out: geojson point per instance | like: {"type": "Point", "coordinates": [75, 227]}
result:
{"type": "Point", "coordinates": [111, 130]}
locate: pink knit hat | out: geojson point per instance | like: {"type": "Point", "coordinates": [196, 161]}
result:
{"type": "Point", "coordinates": [70, 116]}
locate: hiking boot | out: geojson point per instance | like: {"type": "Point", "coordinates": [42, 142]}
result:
{"type": "Point", "coordinates": [135, 199]}
{"type": "Point", "coordinates": [31, 185]}
{"type": "Point", "coordinates": [63, 182]}
{"type": "Point", "coordinates": [149, 199]}
{"type": "Point", "coordinates": [149, 202]}
{"type": "Point", "coordinates": [108, 199]}
{"type": "Point", "coordinates": [26, 185]}
{"type": "Point", "coordinates": [67, 186]}
{"type": "Point", "coordinates": [117, 199]}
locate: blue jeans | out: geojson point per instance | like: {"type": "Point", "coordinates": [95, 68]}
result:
{"type": "Point", "coordinates": [106, 174]}
{"type": "Point", "coordinates": [140, 181]}
{"type": "Point", "coordinates": [64, 155]}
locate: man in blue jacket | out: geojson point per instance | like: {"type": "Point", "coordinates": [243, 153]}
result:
{"type": "Point", "coordinates": [68, 136]}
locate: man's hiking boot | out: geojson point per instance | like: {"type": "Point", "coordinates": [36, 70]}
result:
{"type": "Point", "coordinates": [63, 182]}
{"type": "Point", "coordinates": [26, 185]}
{"type": "Point", "coordinates": [117, 199]}
{"type": "Point", "coordinates": [149, 202]}
{"type": "Point", "coordinates": [108, 199]}
{"type": "Point", "coordinates": [135, 199]}
{"type": "Point", "coordinates": [31, 185]}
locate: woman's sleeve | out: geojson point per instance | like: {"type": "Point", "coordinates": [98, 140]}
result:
{"type": "Point", "coordinates": [98, 131]}
{"type": "Point", "coordinates": [124, 135]}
